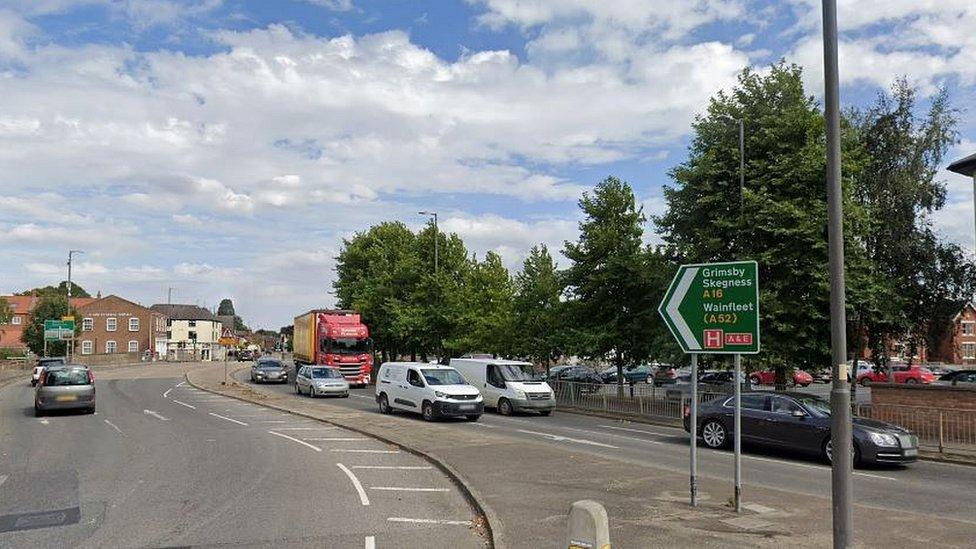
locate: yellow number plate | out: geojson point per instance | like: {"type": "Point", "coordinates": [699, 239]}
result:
{"type": "Point", "coordinates": [65, 398]}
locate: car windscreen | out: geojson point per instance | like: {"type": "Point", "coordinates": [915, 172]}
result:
{"type": "Point", "coordinates": [816, 405]}
{"type": "Point", "coordinates": [61, 378]}
{"type": "Point", "coordinates": [443, 376]}
{"type": "Point", "coordinates": [269, 365]}
{"type": "Point", "coordinates": [326, 373]}
{"type": "Point", "coordinates": [347, 346]}
{"type": "Point", "coordinates": [517, 372]}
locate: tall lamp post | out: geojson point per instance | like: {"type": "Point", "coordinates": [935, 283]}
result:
{"type": "Point", "coordinates": [71, 253]}
{"type": "Point", "coordinates": [433, 215]}
{"type": "Point", "coordinates": [967, 166]}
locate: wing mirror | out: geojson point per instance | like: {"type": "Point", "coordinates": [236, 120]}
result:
{"type": "Point", "coordinates": [799, 414]}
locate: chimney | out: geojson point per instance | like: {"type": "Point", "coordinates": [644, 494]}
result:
{"type": "Point", "coordinates": [98, 295]}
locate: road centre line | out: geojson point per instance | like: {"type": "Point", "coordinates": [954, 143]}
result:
{"type": "Point", "coordinates": [352, 451]}
{"type": "Point", "coordinates": [429, 521]}
{"type": "Point", "coordinates": [370, 542]}
{"type": "Point", "coordinates": [302, 442]}
{"type": "Point", "coordinates": [3, 478]}
{"type": "Point", "coordinates": [114, 426]}
{"type": "Point", "coordinates": [274, 421]}
{"type": "Point", "coordinates": [232, 420]}
{"type": "Point", "coordinates": [395, 467]}
{"type": "Point", "coordinates": [181, 403]}
{"type": "Point", "coordinates": [560, 438]}
{"type": "Point", "coordinates": [408, 489]}
{"type": "Point", "coordinates": [642, 431]}
{"type": "Point", "coordinates": [363, 498]}
{"type": "Point", "coordinates": [337, 439]}
{"type": "Point", "coordinates": [155, 415]}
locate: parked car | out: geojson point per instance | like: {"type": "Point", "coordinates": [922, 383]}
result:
{"type": "Point", "coordinates": [321, 380]}
{"type": "Point", "coordinates": [636, 374]}
{"type": "Point", "coordinates": [768, 377]}
{"type": "Point", "coordinates": [903, 374]}
{"type": "Point", "coordinates": [801, 422]}
{"type": "Point", "coordinates": [269, 369]}
{"type": "Point", "coordinates": [964, 378]}
{"type": "Point", "coordinates": [432, 390]}
{"type": "Point", "coordinates": [711, 381]}
{"type": "Point", "coordinates": [507, 385]}
{"type": "Point", "coordinates": [244, 356]}
{"type": "Point", "coordinates": [554, 371]}
{"type": "Point", "coordinates": [64, 387]}
{"type": "Point", "coordinates": [666, 375]}
{"type": "Point", "coordinates": [938, 370]}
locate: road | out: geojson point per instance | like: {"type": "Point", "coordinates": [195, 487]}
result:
{"type": "Point", "coordinates": [921, 487]}
{"type": "Point", "coordinates": [164, 465]}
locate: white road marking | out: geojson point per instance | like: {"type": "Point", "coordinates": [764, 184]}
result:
{"type": "Point", "coordinates": [476, 424]}
{"type": "Point", "coordinates": [274, 421]}
{"type": "Point", "coordinates": [302, 442]}
{"type": "Point", "coordinates": [363, 498]}
{"type": "Point", "coordinates": [370, 542]}
{"type": "Point", "coordinates": [114, 426]}
{"type": "Point", "coordinates": [395, 467]}
{"type": "Point", "coordinates": [350, 451]}
{"type": "Point", "coordinates": [3, 478]}
{"type": "Point", "coordinates": [408, 489]}
{"type": "Point", "coordinates": [337, 439]}
{"type": "Point", "coordinates": [155, 415]}
{"type": "Point", "coordinates": [184, 404]}
{"type": "Point", "coordinates": [308, 428]}
{"type": "Point", "coordinates": [560, 438]}
{"type": "Point", "coordinates": [182, 383]}
{"type": "Point", "coordinates": [874, 476]}
{"type": "Point", "coordinates": [429, 521]}
{"type": "Point", "coordinates": [363, 396]}
{"type": "Point", "coordinates": [45, 421]}
{"type": "Point", "coordinates": [816, 467]}
{"type": "Point", "coordinates": [166, 394]}
{"type": "Point", "coordinates": [642, 431]}
{"type": "Point", "coordinates": [228, 419]}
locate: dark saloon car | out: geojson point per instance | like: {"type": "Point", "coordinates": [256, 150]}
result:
{"type": "Point", "coordinates": [800, 422]}
{"type": "Point", "coordinates": [268, 369]}
{"type": "Point", "coordinates": [957, 378]}
{"type": "Point", "coordinates": [635, 374]}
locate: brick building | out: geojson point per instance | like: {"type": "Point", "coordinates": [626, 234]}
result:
{"type": "Point", "coordinates": [22, 305]}
{"type": "Point", "coordinates": [112, 325]}
{"type": "Point", "coordinates": [191, 333]}
{"type": "Point", "coordinates": [964, 336]}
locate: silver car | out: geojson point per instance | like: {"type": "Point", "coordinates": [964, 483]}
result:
{"type": "Point", "coordinates": [67, 387]}
{"type": "Point", "coordinates": [321, 380]}
{"type": "Point", "coordinates": [270, 370]}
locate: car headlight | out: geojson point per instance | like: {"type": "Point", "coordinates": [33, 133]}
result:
{"type": "Point", "coordinates": [520, 394]}
{"type": "Point", "coordinates": [439, 394]}
{"type": "Point", "coordinates": [883, 439]}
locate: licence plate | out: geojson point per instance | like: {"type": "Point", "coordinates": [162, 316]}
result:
{"type": "Point", "coordinates": [65, 398]}
{"type": "Point", "coordinates": [466, 407]}
{"type": "Point", "coordinates": [911, 452]}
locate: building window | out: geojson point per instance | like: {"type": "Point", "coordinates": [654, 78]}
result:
{"type": "Point", "coordinates": [15, 320]}
{"type": "Point", "coordinates": [133, 346]}
{"type": "Point", "coordinates": [968, 328]}
{"type": "Point", "coordinates": [111, 324]}
{"type": "Point", "coordinates": [169, 334]}
{"type": "Point", "coordinates": [193, 323]}
{"type": "Point", "coordinates": [969, 350]}
{"type": "Point", "coordinates": [110, 346]}
{"type": "Point", "coordinates": [169, 322]}
{"type": "Point", "coordinates": [87, 324]}
{"type": "Point", "coordinates": [134, 324]}
{"type": "Point", "coordinates": [193, 336]}
{"type": "Point", "coordinates": [86, 347]}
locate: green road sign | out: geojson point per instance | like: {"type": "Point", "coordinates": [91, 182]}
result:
{"type": "Point", "coordinates": [714, 308]}
{"type": "Point", "coordinates": [58, 329]}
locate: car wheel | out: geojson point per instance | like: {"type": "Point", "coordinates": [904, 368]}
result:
{"type": "Point", "coordinates": [911, 381]}
{"type": "Point", "coordinates": [311, 392]}
{"type": "Point", "coordinates": [298, 390]}
{"type": "Point", "coordinates": [345, 395]}
{"type": "Point", "coordinates": [384, 404]}
{"type": "Point", "coordinates": [427, 409]}
{"type": "Point", "coordinates": [473, 418]}
{"type": "Point", "coordinates": [828, 452]}
{"type": "Point", "coordinates": [865, 382]}
{"type": "Point", "coordinates": [714, 434]}
{"type": "Point", "coordinates": [90, 410]}
{"type": "Point", "coordinates": [38, 412]}
{"type": "Point", "coordinates": [33, 383]}
{"type": "Point", "coordinates": [504, 407]}
{"type": "Point", "coordinates": [545, 412]}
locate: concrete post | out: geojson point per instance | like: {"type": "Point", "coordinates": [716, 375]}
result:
{"type": "Point", "coordinates": [588, 526]}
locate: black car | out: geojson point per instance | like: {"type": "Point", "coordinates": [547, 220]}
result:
{"type": "Point", "coordinates": [961, 378]}
{"type": "Point", "coordinates": [268, 369]}
{"type": "Point", "coordinates": [244, 356]}
{"type": "Point", "coordinates": [801, 422]}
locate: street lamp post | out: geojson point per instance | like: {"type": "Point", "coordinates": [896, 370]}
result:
{"type": "Point", "coordinates": [436, 234]}
{"type": "Point", "coordinates": [71, 253]}
{"type": "Point", "coordinates": [967, 166]}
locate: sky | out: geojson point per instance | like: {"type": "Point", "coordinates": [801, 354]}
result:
{"type": "Point", "coordinates": [224, 148]}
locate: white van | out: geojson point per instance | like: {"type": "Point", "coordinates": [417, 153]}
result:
{"type": "Point", "coordinates": [433, 390]}
{"type": "Point", "coordinates": [507, 385]}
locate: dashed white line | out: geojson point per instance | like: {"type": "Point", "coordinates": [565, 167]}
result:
{"type": "Point", "coordinates": [3, 478]}
{"type": "Point", "coordinates": [428, 521]}
{"type": "Point", "coordinates": [363, 396]}
{"type": "Point", "coordinates": [232, 420]}
{"type": "Point", "coordinates": [166, 393]}
{"type": "Point", "coordinates": [395, 467]}
{"type": "Point", "coordinates": [114, 426]}
{"type": "Point", "coordinates": [307, 429]}
{"type": "Point", "coordinates": [182, 383]}
{"type": "Point", "coordinates": [352, 451]}
{"type": "Point", "coordinates": [560, 438]}
{"type": "Point", "coordinates": [302, 442]}
{"type": "Point", "coordinates": [335, 439]}
{"type": "Point", "coordinates": [407, 489]}
{"type": "Point", "coordinates": [370, 542]}
{"type": "Point", "coordinates": [274, 421]}
{"type": "Point", "coordinates": [363, 498]}
{"type": "Point", "coordinates": [181, 403]}
{"type": "Point", "coordinates": [642, 431]}
{"type": "Point", "coordinates": [155, 415]}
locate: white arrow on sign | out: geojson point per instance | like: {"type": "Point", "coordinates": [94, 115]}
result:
{"type": "Point", "coordinates": [672, 308]}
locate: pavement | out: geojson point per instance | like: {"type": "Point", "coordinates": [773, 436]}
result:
{"type": "Point", "coordinates": [162, 464]}
{"type": "Point", "coordinates": [526, 471]}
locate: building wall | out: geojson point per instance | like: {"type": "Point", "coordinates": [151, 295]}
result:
{"type": "Point", "coordinates": [135, 327]}
{"type": "Point", "coordinates": [964, 336]}
{"type": "Point", "coordinates": [180, 346]}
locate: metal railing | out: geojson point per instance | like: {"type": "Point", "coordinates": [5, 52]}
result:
{"type": "Point", "coordinates": [938, 429]}
{"type": "Point", "coordinates": [639, 399]}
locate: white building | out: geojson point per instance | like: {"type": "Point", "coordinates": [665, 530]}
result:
{"type": "Point", "coordinates": [191, 332]}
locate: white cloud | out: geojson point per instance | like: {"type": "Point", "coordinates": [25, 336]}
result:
{"type": "Point", "coordinates": [333, 5]}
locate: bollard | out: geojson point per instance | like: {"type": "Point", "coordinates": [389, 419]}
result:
{"type": "Point", "coordinates": [588, 526]}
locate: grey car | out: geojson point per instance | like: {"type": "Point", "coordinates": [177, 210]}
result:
{"type": "Point", "coordinates": [65, 387]}
{"type": "Point", "coordinates": [321, 380]}
{"type": "Point", "coordinates": [270, 370]}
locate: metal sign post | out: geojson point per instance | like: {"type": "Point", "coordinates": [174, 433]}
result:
{"type": "Point", "coordinates": [714, 308]}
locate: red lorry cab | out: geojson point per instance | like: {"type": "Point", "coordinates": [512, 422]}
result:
{"type": "Point", "coordinates": [336, 338]}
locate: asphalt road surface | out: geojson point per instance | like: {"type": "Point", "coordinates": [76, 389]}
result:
{"type": "Point", "coordinates": [938, 489]}
{"type": "Point", "coordinates": [164, 465]}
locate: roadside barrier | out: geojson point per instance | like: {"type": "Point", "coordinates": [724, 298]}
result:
{"type": "Point", "coordinates": [945, 430]}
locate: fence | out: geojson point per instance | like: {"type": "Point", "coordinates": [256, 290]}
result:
{"type": "Point", "coordinates": [938, 429]}
{"type": "Point", "coordinates": [641, 399]}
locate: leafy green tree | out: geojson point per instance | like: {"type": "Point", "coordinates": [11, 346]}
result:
{"type": "Point", "coordinates": [537, 330]}
{"type": "Point", "coordinates": [51, 307]}
{"type": "Point", "coordinates": [609, 310]}
{"type": "Point", "coordinates": [60, 289]}
{"type": "Point", "coordinates": [6, 311]}
{"type": "Point", "coordinates": [226, 308]}
{"type": "Point", "coordinates": [437, 291]}
{"type": "Point", "coordinates": [483, 309]}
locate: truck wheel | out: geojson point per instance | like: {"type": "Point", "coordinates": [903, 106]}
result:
{"type": "Point", "coordinates": [384, 404]}
{"type": "Point", "coordinates": [428, 411]}
{"type": "Point", "coordinates": [504, 407]}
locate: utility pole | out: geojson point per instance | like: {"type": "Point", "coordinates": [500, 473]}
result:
{"type": "Point", "coordinates": [842, 497]}
{"type": "Point", "coordinates": [436, 235]}
{"type": "Point", "coordinates": [71, 253]}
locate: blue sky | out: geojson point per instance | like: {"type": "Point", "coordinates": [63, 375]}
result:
{"type": "Point", "coordinates": [225, 147]}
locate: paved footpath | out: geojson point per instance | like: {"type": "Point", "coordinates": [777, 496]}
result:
{"type": "Point", "coordinates": [525, 473]}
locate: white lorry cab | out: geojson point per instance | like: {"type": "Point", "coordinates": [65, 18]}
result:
{"type": "Point", "coordinates": [433, 390]}
{"type": "Point", "coordinates": [507, 385]}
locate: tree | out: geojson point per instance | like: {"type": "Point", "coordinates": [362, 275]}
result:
{"type": "Point", "coordinates": [60, 289]}
{"type": "Point", "coordinates": [51, 307]}
{"type": "Point", "coordinates": [226, 308]}
{"type": "Point", "coordinates": [608, 302]}
{"type": "Point", "coordinates": [537, 331]}
{"type": "Point", "coordinates": [483, 309]}
{"type": "Point", "coordinates": [6, 311]}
